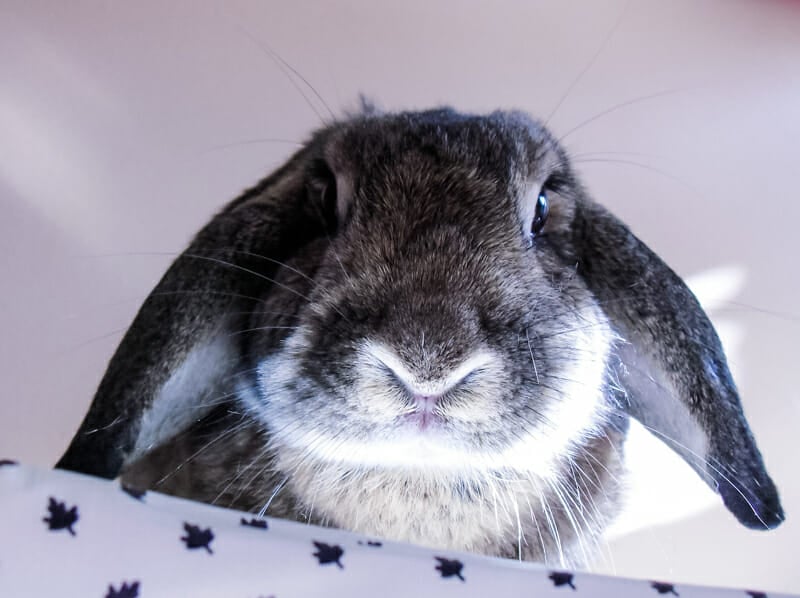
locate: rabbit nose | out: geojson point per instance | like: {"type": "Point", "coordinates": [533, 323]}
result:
{"type": "Point", "coordinates": [427, 390]}
{"type": "Point", "coordinates": [425, 403]}
{"type": "Point", "coordinates": [424, 414]}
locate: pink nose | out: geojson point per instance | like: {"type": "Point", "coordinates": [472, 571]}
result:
{"type": "Point", "coordinates": [423, 414]}
{"type": "Point", "coordinates": [426, 403]}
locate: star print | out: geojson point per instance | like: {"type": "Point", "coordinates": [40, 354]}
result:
{"type": "Point", "coordinates": [329, 553]}
{"type": "Point", "coordinates": [60, 517]}
{"type": "Point", "coordinates": [664, 588]}
{"type": "Point", "coordinates": [450, 568]}
{"type": "Point", "coordinates": [255, 522]}
{"type": "Point", "coordinates": [125, 591]}
{"type": "Point", "coordinates": [197, 538]}
{"type": "Point", "coordinates": [562, 578]}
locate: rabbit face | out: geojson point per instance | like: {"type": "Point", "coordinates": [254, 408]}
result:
{"type": "Point", "coordinates": [440, 332]}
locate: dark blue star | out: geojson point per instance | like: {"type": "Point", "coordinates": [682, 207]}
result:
{"type": "Point", "coordinates": [125, 591]}
{"type": "Point", "coordinates": [450, 568]}
{"type": "Point", "coordinates": [329, 553]}
{"type": "Point", "coordinates": [255, 522]}
{"type": "Point", "coordinates": [197, 538]}
{"type": "Point", "coordinates": [562, 578]}
{"type": "Point", "coordinates": [664, 588]}
{"type": "Point", "coordinates": [60, 517]}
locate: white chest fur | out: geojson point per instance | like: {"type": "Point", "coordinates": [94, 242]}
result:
{"type": "Point", "coordinates": [510, 513]}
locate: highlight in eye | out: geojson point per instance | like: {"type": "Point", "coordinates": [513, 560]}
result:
{"type": "Point", "coordinates": [541, 212]}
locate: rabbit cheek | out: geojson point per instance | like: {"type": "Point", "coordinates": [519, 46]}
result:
{"type": "Point", "coordinates": [578, 408]}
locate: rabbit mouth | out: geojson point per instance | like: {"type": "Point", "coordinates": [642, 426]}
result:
{"type": "Point", "coordinates": [423, 420]}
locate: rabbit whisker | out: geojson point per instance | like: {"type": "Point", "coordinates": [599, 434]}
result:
{"type": "Point", "coordinates": [591, 62]}
{"type": "Point", "coordinates": [661, 171]}
{"type": "Point", "coordinates": [197, 453]}
{"type": "Point", "coordinates": [116, 420]}
{"type": "Point", "coordinates": [234, 479]}
{"type": "Point", "coordinates": [620, 106]}
{"type": "Point", "coordinates": [272, 496]}
{"type": "Point", "coordinates": [556, 489]}
{"type": "Point", "coordinates": [260, 471]}
{"type": "Point", "coordinates": [261, 329]}
{"type": "Point", "coordinates": [554, 533]}
{"type": "Point", "coordinates": [535, 520]}
{"type": "Point", "coordinates": [733, 480]}
{"type": "Point", "coordinates": [286, 69]}
{"type": "Point", "coordinates": [533, 361]}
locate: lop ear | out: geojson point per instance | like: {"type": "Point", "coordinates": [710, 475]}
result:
{"type": "Point", "coordinates": [671, 369]}
{"type": "Point", "coordinates": [179, 352]}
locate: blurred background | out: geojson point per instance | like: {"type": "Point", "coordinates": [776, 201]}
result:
{"type": "Point", "coordinates": [125, 126]}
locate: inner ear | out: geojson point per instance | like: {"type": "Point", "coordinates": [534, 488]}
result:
{"type": "Point", "coordinates": [648, 397]}
{"type": "Point", "coordinates": [206, 377]}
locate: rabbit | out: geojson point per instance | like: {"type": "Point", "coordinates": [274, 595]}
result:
{"type": "Point", "coordinates": [421, 328]}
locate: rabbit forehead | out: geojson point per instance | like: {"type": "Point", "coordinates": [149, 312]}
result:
{"type": "Point", "coordinates": [505, 148]}
{"type": "Point", "coordinates": [402, 173]}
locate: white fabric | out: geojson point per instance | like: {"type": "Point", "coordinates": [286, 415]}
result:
{"type": "Point", "coordinates": [112, 538]}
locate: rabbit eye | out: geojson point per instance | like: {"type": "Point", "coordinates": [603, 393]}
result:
{"type": "Point", "coordinates": [541, 212]}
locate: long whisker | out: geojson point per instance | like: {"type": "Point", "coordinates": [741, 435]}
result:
{"type": "Point", "coordinates": [533, 361]}
{"type": "Point", "coordinates": [284, 68]}
{"type": "Point", "coordinates": [205, 447]}
{"type": "Point", "coordinates": [554, 533]}
{"type": "Point", "coordinates": [591, 62]}
{"type": "Point", "coordinates": [644, 166]}
{"type": "Point", "coordinates": [275, 492]}
{"type": "Point", "coordinates": [535, 520]}
{"type": "Point", "coordinates": [614, 108]}
{"type": "Point", "coordinates": [94, 339]}
{"type": "Point", "coordinates": [261, 276]}
{"type": "Point", "coordinates": [733, 481]}
{"type": "Point", "coordinates": [555, 487]}
{"type": "Point", "coordinates": [262, 329]}
{"type": "Point", "coordinates": [233, 480]}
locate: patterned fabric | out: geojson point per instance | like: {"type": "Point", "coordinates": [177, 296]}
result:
{"type": "Point", "coordinates": [65, 534]}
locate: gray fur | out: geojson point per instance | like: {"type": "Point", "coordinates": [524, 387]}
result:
{"type": "Point", "coordinates": [390, 252]}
